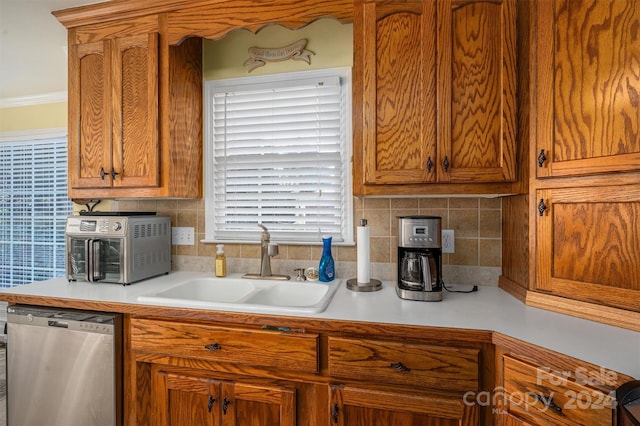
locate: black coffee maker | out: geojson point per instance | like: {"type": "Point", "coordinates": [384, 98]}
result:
{"type": "Point", "coordinates": [420, 258]}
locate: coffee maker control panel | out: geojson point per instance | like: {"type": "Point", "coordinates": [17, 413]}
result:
{"type": "Point", "coordinates": [424, 235]}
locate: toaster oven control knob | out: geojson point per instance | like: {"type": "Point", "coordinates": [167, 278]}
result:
{"type": "Point", "coordinates": [117, 226]}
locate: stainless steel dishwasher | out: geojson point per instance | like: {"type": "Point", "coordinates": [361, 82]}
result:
{"type": "Point", "coordinates": [63, 367]}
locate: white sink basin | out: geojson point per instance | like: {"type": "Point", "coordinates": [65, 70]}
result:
{"type": "Point", "coordinates": [243, 294]}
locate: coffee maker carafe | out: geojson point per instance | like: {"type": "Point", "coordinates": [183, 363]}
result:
{"type": "Point", "coordinates": [420, 258]}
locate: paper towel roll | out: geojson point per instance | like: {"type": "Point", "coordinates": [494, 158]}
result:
{"type": "Point", "coordinates": [363, 250]}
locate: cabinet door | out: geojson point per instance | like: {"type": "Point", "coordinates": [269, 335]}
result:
{"type": "Point", "coordinates": [394, 87]}
{"type": "Point", "coordinates": [351, 406]}
{"type": "Point", "coordinates": [135, 111]}
{"type": "Point", "coordinates": [89, 115]}
{"type": "Point", "coordinates": [245, 404]}
{"type": "Point", "coordinates": [588, 87]}
{"type": "Point", "coordinates": [182, 399]}
{"type": "Point", "coordinates": [476, 91]}
{"type": "Point", "coordinates": [588, 244]}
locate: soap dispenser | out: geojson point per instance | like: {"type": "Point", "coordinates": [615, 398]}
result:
{"type": "Point", "coordinates": [221, 261]}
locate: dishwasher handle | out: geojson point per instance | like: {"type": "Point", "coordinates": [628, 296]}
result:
{"type": "Point", "coordinates": [59, 324]}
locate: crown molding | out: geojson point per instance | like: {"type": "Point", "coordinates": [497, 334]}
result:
{"type": "Point", "coordinates": [45, 98]}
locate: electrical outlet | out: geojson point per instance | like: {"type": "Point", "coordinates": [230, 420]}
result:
{"type": "Point", "coordinates": [448, 241]}
{"type": "Point", "coordinates": [182, 236]}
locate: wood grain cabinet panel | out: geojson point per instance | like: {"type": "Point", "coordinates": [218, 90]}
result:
{"type": "Point", "coordinates": [113, 141]}
{"type": "Point", "coordinates": [434, 93]}
{"type": "Point", "coordinates": [292, 351]}
{"type": "Point", "coordinates": [588, 244]}
{"type": "Point", "coordinates": [186, 399]}
{"type": "Point", "coordinates": [476, 91]}
{"type": "Point", "coordinates": [416, 365]}
{"type": "Point", "coordinates": [588, 87]}
{"type": "Point", "coordinates": [135, 111]}
{"type": "Point", "coordinates": [89, 137]}
{"type": "Point", "coordinates": [542, 397]}
{"type": "Point", "coordinates": [362, 406]}
{"type": "Point", "coordinates": [395, 90]}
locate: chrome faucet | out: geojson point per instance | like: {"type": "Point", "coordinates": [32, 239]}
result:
{"type": "Point", "coordinates": [267, 251]}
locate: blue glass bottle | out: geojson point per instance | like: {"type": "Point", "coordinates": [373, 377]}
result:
{"type": "Point", "coordinates": [327, 267]}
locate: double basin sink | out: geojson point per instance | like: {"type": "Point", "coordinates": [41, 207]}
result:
{"type": "Point", "coordinates": [247, 294]}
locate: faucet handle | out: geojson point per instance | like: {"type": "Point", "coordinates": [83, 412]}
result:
{"type": "Point", "coordinates": [301, 276]}
{"type": "Point", "coordinates": [273, 249]}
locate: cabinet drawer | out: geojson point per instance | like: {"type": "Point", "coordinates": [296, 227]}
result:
{"type": "Point", "coordinates": [539, 395]}
{"type": "Point", "coordinates": [438, 367]}
{"type": "Point", "coordinates": [295, 351]}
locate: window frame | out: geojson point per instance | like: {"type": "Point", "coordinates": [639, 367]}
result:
{"type": "Point", "coordinates": [346, 146]}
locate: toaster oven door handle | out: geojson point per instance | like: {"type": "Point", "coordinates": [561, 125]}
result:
{"type": "Point", "coordinates": [94, 256]}
{"type": "Point", "coordinates": [93, 260]}
{"type": "Point", "coordinates": [88, 270]}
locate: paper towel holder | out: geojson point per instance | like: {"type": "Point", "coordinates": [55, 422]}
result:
{"type": "Point", "coordinates": [372, 284]}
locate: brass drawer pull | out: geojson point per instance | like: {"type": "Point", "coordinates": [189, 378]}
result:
{"type": "Point", "coordinates": [399, 366]}
{"type": "Point", "coordinates": [213, 347]}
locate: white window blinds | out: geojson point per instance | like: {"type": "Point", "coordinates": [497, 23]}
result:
{"type": "Point", "coordinates": [33, 209]}
{"type": "Point", "coordinates": [278, 153]}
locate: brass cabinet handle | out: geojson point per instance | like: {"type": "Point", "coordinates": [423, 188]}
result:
{"type": "Point", "coordinates": [114, 173]}
{"type": "Point", "coordinates": [103, 174]}
{"type": "Point", "coordinates": [445, 164]}
{"type": "Point", "coordinates": [225, 405]}
{"type": "Point", "coordinates": [212, 401]}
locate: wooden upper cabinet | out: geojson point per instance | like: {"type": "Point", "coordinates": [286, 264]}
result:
{"type": "Point", "coordinates": [135, 111]}
{"type": "Point", "coordinates": [476, 91]}
{"type": "Point", "coordinates": [588, 87]}
{"type": "Point", "coordinates": [113, 141]}
{"type": "Point", "coordinates": [394, 85]}
{"type": "Point", "coordinates": [588, 244]}
{"type": "Point", "coordinates": [89, 117]}
{"type": "Point", "coordinates": [434, 92]}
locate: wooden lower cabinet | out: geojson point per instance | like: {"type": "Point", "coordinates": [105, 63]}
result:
{"type": "Point", "coordinates": [183, 398]}
{"type": "Point", "coordinates": [588, 244]}
{"type": "Point", "coordinates": [362, 406]}
{"type": "Point", "coordinates": [571, 394]}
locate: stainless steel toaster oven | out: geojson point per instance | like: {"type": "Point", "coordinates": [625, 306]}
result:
{"type": "Point", "coordinates": [117, 249]}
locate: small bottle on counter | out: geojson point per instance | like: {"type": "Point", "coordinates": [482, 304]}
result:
{"type": "Point", "coordinates": [221, 261]}
{"type": "Point", "coordinates": [327, 266]}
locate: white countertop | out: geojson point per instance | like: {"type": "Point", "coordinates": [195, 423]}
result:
{"type": "Point", "coordinates": [490, 308]}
